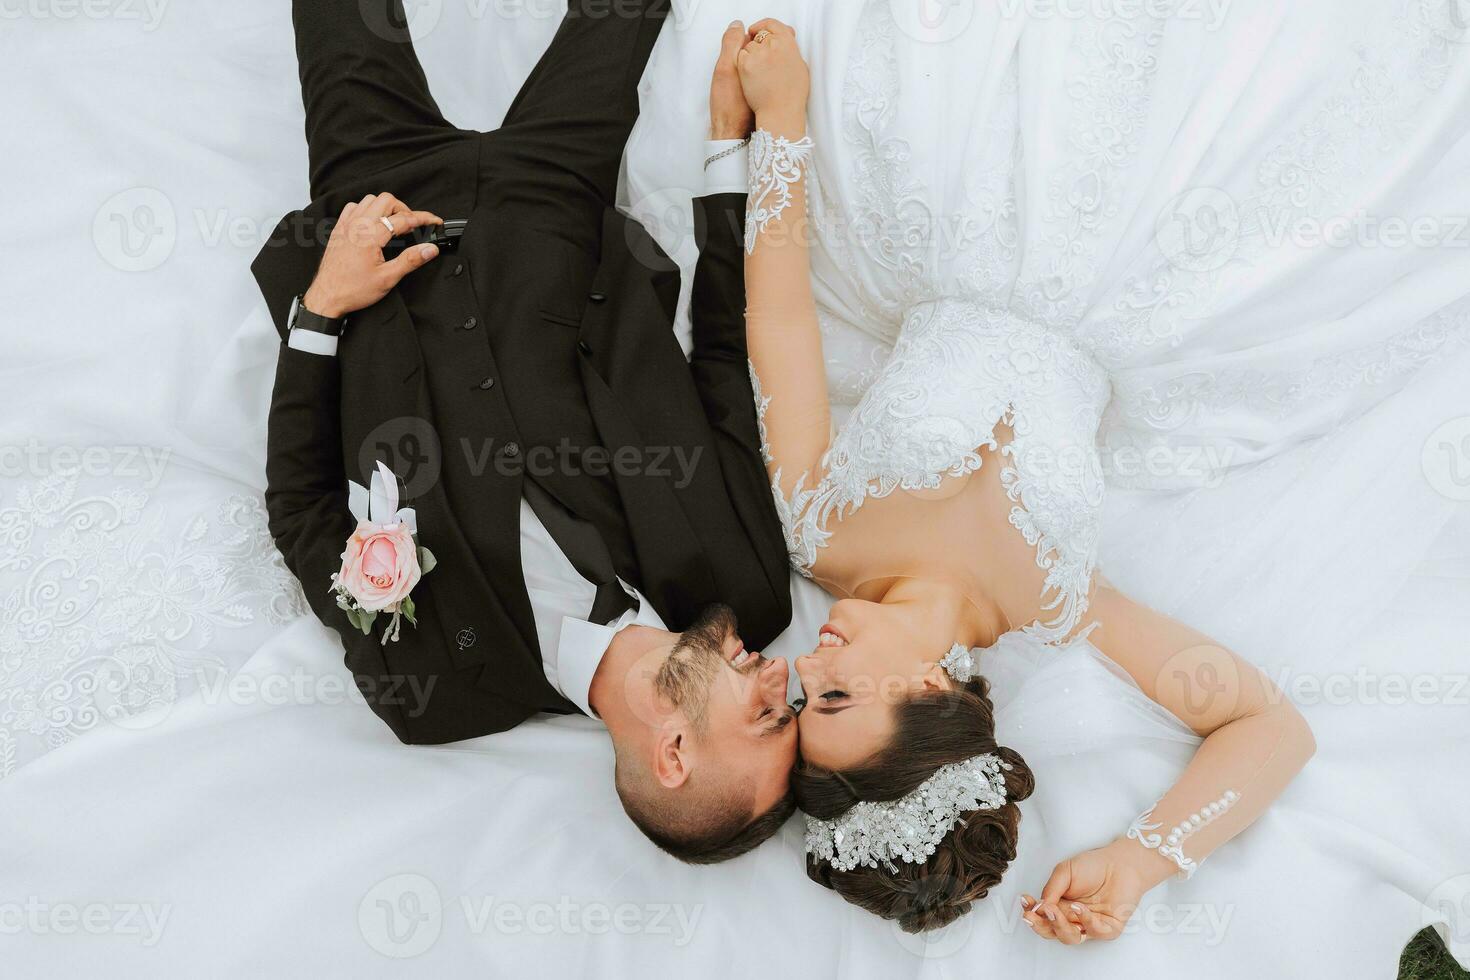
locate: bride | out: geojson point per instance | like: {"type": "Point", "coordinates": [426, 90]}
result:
{"type": "Point", "coordinates": [956, 516]}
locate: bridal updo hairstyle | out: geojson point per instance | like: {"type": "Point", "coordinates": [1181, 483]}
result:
{"type": "Point", "coordinates": [931, 730]}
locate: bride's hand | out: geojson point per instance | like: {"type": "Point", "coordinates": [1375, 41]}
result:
{"type": "Point", "coordinates": [775, 78]}
{"type": "Point", "coordinates": [730, 116]}
{"type": "Point", "coordinates": [1093, 895]}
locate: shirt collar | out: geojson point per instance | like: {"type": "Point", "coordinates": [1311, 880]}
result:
{"type": "Point", "coordinates": [583, 645]}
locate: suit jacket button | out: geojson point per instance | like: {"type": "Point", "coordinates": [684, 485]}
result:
{"type": "Point", "coordinates": [471, 323]}
{"type": "Point", "coordinates": [598, 297]}
{"type": "Point", "coordinates": [584, 347]}
{"type": "Point", "coordinates": [487, 384]}
{"type": "Point", "coordinates": [512, 450]}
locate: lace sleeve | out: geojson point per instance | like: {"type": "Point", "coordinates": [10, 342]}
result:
{"type": "Point", "coordinates": [781, 318]}
{"type": "Point", "coordinates": [1255, 741]}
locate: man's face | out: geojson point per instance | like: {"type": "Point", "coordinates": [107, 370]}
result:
{"type": "Point", "coordinates": [736, 701]}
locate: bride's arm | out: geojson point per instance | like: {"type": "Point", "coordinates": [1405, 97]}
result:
{"type": "Point", "coordinates": [781, 317]}
{"type": "Point", "coordinates": [1255, 743]}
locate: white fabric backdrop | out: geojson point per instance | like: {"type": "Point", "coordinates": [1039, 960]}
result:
{"type": "Point", "coordinates": [264, 824]}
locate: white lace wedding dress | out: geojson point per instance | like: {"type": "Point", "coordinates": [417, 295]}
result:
{"type": "Point", "coordinates": [1188, 261]}
{"type": "Point", "coordinates": [1044, 256]}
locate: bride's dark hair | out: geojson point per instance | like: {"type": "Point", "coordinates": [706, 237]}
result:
{"type": "Point", "coordinates": [931, 730]}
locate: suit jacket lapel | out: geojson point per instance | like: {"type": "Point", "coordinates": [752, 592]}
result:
{"type": "Point", "coordinates": [662, 536]}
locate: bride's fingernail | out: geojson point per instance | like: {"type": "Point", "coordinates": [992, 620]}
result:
{"type": "Point", "coordinates": [1077, 908]}
{"type": "Point", "coordinates": [1050, 915]}
{"type": "Point", "coordinates": [1026, 901]}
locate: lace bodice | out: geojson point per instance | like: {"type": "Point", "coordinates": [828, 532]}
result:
{"type": "Point", "coordinates": [958, 374]}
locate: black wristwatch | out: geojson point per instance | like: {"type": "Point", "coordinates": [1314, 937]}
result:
{"type": "Point", "coordinates": [300, 318]}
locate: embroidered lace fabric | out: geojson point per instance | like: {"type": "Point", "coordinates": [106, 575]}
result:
{"type": "Point", "coordinates": [957, 372]}
{"type": "Point", "coordinates": [1062, 281]}
{"type": "Point", "coordinates": [775, 164]}
{"type": "Point", "coordinates": [1170, 844]}
{"type": "Point", "coordinates": [113, 604]}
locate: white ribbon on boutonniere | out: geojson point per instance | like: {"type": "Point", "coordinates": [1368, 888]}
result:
{"type": "Point", "coordinates": [383, 561]}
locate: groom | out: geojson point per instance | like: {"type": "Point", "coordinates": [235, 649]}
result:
{"type": "Point", "coordinates": [522, 381]}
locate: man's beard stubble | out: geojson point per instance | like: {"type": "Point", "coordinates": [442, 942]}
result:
{"type": "Point", "coordinates": [691, 670]}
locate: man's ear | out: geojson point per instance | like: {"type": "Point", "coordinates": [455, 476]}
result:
{"type": "Point", "coordinates": [671, 761]}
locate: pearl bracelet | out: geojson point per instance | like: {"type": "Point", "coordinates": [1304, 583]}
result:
{"type": "Point", "coordinates": [1171, 843]}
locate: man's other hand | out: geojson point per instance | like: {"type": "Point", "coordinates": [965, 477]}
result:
{"type": "Point", "coordinates": [730, 116]}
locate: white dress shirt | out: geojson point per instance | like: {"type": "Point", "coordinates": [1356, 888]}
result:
{"type": "Point", "coordinates": [728, 174]}
{"type": "Point", "coordinates": [561, 599]}
{"type": "Point", "coordinates": [571, 647]}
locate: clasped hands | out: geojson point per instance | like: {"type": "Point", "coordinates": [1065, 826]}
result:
{"type": "Point", "coordinates": [760, 81]}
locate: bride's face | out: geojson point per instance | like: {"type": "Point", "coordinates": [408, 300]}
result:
{"type": "Point", "coordinates": [867, 661]}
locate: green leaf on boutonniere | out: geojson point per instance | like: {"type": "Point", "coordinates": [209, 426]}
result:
{"type": "Point", "coordinates": [361, 619]}
{"type": "Point", "coordinates": [427, 561]}
{"type": "Point", "coordinates": [406, 607]}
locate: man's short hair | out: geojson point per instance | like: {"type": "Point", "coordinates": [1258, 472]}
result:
{"type": "Point", "coordinates": [710, 828]}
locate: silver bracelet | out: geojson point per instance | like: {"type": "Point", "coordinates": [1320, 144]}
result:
{"type": "Point", "coordinates": [729, 150]}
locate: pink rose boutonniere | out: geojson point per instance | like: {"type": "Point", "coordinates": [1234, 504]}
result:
{"type": "Point", "coordinates": [383, 561]}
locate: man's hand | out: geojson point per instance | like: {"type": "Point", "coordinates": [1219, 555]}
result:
{"type": "Point", "coordinates": [775, 79]}
{"type": "Point", "coordinates": [730, 116]}
{"type": "Point", "coordinates": [353, 274]}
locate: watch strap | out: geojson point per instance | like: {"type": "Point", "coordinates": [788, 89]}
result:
{"type": "Point", "coordinates": [303, 319]}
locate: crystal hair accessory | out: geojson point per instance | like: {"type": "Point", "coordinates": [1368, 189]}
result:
{"type": "Point", "coordinates": [909, 829]}
{"type": "Point", "coordinates": [776, 164]}
{"type": "Point", "coordinates": [1171, 844]}
{"type": "Point", "coordinates": [960, 664]}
